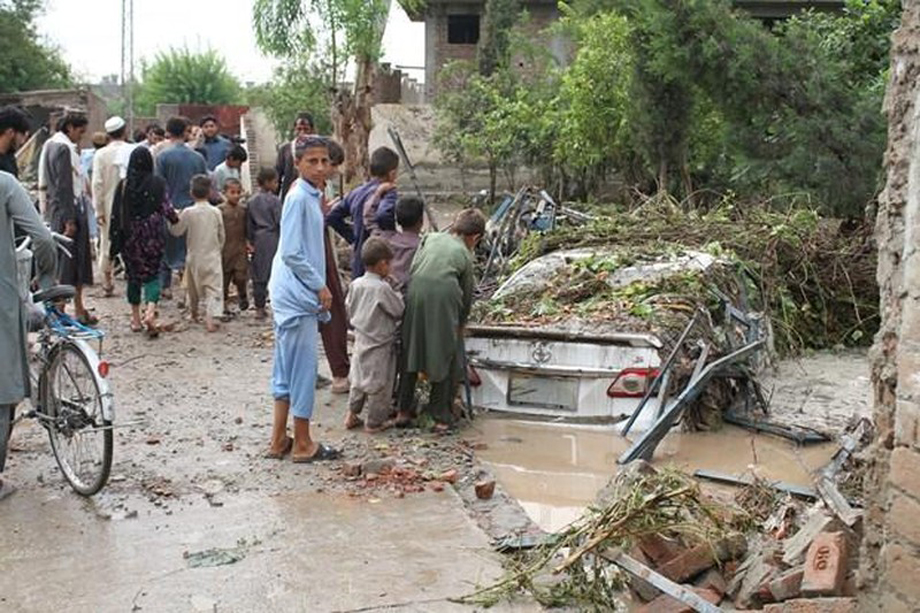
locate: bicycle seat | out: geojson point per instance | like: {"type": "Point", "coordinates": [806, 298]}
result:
{"type": "Point", "coordinates": [54, 293]}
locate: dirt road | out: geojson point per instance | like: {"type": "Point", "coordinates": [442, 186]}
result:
{"type": "Point", "coordinates": [190, 493]}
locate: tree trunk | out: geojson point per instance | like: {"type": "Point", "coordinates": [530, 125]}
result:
{"type": "Point", "coordinates": [351, 116]}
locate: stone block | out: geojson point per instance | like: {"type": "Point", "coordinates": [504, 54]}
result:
{"type": "Point", "coordinates": [902, 571]}
{"type": "Point", "coordinates": [825, 565]}
{"type": "Point", "coordinates": [485, 489]}
{"type": "Point", "coordinates": [905, 470]}
{"type": "Point", "coordinates": [813, 605]}
{"type": "Point", "coordinates": [785, 587]}
{"type": "Point", "coordinates": [667, 604]}
{"type": "Point", "coordinates": [904, 517]}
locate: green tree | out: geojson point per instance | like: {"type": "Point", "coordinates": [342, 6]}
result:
{"type": "Point", "coordinates": [182, 76]}
{"type": "Point", "coordinates": [28, 63]}
{"type": "Point", "coordinates": [498, 20]}
{"type": "Point", "coordinates": [294, 88]}
{"type": "Point", "coordinates": [350, 30]}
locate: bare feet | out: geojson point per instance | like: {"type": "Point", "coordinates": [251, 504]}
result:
{"type": "Point", "coordinates": [340, 385]}
{"type": "Point", "coordinates": [352, 421]}
{"type": "Point", "coordinates": [380, 427]}
{"type": "Point", "coordinates": [212, 326]}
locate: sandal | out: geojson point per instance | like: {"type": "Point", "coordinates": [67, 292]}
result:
{"type": "Point", "coordinates": [273, 455]}
{"type": "Point", "coordinates": [353, 422]}
{"type": "Point", "coordinates": [88, 319]}
{"type": "Point", "coordinates": [323, 453]}
{"type": "Point", "coordinates": [137, 328]}
{"type": "Point", "coordinates": [440, 428]}
{"type": "Point", "coordinates": [404, 422]}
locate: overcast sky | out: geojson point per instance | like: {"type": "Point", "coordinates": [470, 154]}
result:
{"type": "Point", "coordinates": [89, 32]}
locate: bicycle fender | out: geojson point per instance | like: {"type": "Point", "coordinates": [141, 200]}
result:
{"type": "Point", "coordinates": [105, 391]}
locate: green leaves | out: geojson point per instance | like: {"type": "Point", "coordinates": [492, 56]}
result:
{"type": "Point", "coordinates": [182, 76]}
{"type": "Point", "coordinates": [28, 63]}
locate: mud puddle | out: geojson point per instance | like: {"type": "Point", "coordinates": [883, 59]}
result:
{"type": "Point", "coordinates": [555, 470]}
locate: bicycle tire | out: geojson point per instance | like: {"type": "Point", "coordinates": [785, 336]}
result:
{"type": "Point", "coordinates": [67, 426]}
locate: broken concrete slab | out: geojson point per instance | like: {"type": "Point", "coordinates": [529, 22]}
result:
{"type": "Point", "coordinates": [794, 548]}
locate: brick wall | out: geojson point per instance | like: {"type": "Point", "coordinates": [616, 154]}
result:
{"type": "Point", "coordinates": [890, 573]}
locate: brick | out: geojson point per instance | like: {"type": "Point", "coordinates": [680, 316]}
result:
{"type": "Point", "coordinates": [485, 489]}
{"type": "Point", "coordinates": [713, 580]}
{"type": "Point", "coordinates": [906, 423]}
{"type": "Point", "coordinates": [689, 564]}
{"type": "Point", "coordinates": [902, 571]}
{"type": "Point", "coordinates": [903, 517]}
{"type": "Point", "coordinates": [658, 549]}
{"type": "Point", "coordinates": [825, 565]}
{"type": "Point", "coordinates": [667, 604]}
{"type": "Point", "coordinates": [813, 605]}
{"type": "Point", "coordinates": [905, 470]}
{"type": "Point", "coordinates": [785, 587]}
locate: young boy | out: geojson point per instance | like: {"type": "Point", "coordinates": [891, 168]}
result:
{"type": "Point", "coordinates": [374, 309]}
{"type": "Point", "coordinates": [263, 226]}
{"type": "Point", "coordinates": [384, 169]}
{"type": "Point", "coordinates": [233, 256]}
{"type": "Point", "coordinates": [410, 216]}
{"type": "Point", "coordinates": [203, 228]}
{"type": "Point", "coordinates": [230, 167]}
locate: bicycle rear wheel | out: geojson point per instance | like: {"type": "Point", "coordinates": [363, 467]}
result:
{"type": "Point", "coordinates": [81, 437]}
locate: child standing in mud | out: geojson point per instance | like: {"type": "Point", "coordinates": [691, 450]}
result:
{"type": "Point", "coordinates": [263, 227]}
{"type": "Point", "coordinates": [234, 256]}
{"type": "Point", "coordinates": [203, 228]}
{"type": "Point", "coordinates": [374, 309]}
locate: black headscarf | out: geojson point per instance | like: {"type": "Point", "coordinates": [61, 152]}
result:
{"type": "Point", "coordinates": [138, 196]}
{"type": "Point", "coordinates": [144, 192]}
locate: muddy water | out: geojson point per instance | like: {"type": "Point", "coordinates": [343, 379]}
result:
{"type": "Point", "coordinates": [554, 470]}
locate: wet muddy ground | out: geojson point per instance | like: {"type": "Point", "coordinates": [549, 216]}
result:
{"type": "Point", "coordinates": [194, 519]}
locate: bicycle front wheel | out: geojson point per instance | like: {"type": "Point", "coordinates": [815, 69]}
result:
{"type": "Point", "coordinates": [81, 437]}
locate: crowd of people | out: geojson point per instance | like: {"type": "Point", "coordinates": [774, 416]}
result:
{"type": "Point", "coordinates": [170, 207]}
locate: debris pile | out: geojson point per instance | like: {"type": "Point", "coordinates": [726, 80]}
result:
{"type": "Point", "coordinates": [583, 566]}
{"type": "Point", "coordinates": [815, 278]}
{"type": "Point", "coordinates": [655, 538]}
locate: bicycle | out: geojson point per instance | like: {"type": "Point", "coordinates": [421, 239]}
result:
{"type": "Point", "coordinates": [70, 396]}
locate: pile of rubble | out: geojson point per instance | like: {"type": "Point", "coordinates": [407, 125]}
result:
{"type": "Point", "coordinates": [653, 537]}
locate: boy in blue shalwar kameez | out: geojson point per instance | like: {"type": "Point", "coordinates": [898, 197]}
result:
{"type": "Point", "coordinates": [300, 301]}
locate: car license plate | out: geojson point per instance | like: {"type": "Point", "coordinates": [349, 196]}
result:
{"type": "Point", "coordinates": [544, 392]}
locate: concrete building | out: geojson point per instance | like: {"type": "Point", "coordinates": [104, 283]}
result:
{"type": "Point", "coordinates": [452, 27]}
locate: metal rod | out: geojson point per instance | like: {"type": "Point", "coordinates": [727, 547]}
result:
{"type": "Point", "coordinates": [397, 141]}
{"type": "Point", "coordinates": [657, 380]}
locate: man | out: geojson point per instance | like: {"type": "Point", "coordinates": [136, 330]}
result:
{"type": "Point", "coordinates": [177, 164]}
{"type": "Point", "coordinates": [61, 179]}
{"type": "Point", "coordinates": [17, 213]}
{"type": "Point", "coordinates": [153, 135]}
{"type": "Point", "coordinates": [149, 137]}
{"type": "Point", "coordinates": [215, 146]}
{"type": "Point", "coordinates": [14, 131]}
{"type": "Point", "coordinates": [437, 306]}
{"type": "Point", "coordinates": [286, 166]}
{"type": "Point", "coordinates": [105, 178]}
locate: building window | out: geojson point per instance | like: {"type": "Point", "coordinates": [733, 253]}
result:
{"type": "Point", "coordinates": [463, 29]}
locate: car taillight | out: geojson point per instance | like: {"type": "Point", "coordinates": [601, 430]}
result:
{"type": "Point", "coordinates": [103, 369]}
{"type": "Point", "coordinates": [632, 383]}
{"type": "Point", "coordinates": [475, 381]}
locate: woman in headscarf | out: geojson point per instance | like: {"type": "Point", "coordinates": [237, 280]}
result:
{"type": "Point", "coordinates": [139, 212]}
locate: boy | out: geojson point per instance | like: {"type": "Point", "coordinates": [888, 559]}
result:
{"type": "Point", "coordinates": [263, 225]}
{"type": "Point", "coordinates": [374, 309]}
{"type": "Point", "coordinates": [233, 256]}
{"type": "Point", "coordinates": [203, 228]}
{"type": "Point", "coordinates": [384, 169]}
{"type": "Point", "coordinates": [410, 216]}
{"type": "Point", "coordinates": [230, 167]}
{"type": "Point", "coordinates": [300, 301]}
